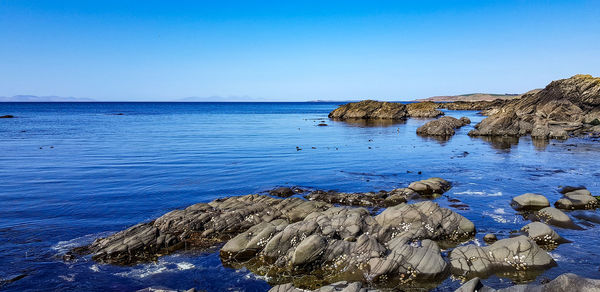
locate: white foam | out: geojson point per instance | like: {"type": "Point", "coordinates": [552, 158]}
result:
{"type": "Point", "coordinates": [499, 211]}
{"type": "Point", "coordinates": [66, 245]}
{"type": "Point", "coordinates": [95, 268]}
{"type": "Point", "coordinates": [479, 193]}
{"type": "Point", "coordinates": [496, 217]}
{"type": "Point", "coordinates": [148, 270]}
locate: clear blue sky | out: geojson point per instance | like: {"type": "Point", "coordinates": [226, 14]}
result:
{"type": "Point", "coordinates": [292, 50]}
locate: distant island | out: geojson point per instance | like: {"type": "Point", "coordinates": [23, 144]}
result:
{"type": "Point", "coordinates": [472, 97]}
{"type": "Point", "coordinates": [35, 98]}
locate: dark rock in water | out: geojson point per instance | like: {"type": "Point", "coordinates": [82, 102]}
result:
{"type": "Point", "coordinates": [423, 110]}
{"type": "Point", "coordinates": [490, 237]}
{"type": "Point", "coordinates": [506, 255]}
{"type": "Point", "coordinates": [393, 247]}
{"type": "Point", "coordinates": [563, 283]}
{"type": "Point", "coordinates": [543, 235]}
{"type": "Point", "coordinates": [198, 226]}
{"type": "Point", "coordinates": [322, 125]}
{"type": "Point", "coordinates": [7, 117]}
{"type": "Point", "coordinates": [568, 189]}
{"type": "Point", "coordinates": [424, 189]}
{"type": "Point", "coordinates": [283, 192]}
{"type": "Point", "coordinates": [560, 109]}
{"type": "Point", "coordinates": [587, 216]}
{"type": "Point", "coordinates": [554, 217]}
{"type": "Point", "coordinates": [12, 279]}
{"type": "Point", "coordinates": [443, 126]}
{"type": "Point", "coordinates": [577, 199]}
{"type": "Point", "coordinates": [370, 109]}
{"type": "Point", "coordinates": [342, 286]}
{"type": "Point", "coordinates": [529, 201]}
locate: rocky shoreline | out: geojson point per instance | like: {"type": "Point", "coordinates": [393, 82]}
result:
{"type": "Point", "coordinates": [313, 239]}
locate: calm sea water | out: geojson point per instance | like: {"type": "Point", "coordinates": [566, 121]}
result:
{"type": "Point", "coordinates": [72, 172]}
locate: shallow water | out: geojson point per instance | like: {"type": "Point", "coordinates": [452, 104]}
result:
{"type": "Point", "coordinates": [72, 172]}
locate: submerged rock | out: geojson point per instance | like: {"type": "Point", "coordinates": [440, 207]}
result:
{"type": "Point", "coordinates": [564, 106]}
{"type": "Point", "coordinates": [7, 117]}
{"type": "Point", "coordinates": [563, 283]}
{"type": "Point", "coordinates": [543, 235]}
{"type": "Point", "coordinates": [283, 192]}
{"type": "Point", "coordinates": [577, 199]}
{"type": "Point", "coordinates": [529, 201]}
{"type": "Point", "coordinates": [555, 217]}
{"type": "Point", "coordinates": [201, 225]}
{"type": "Point", "coordinates": [506, 255]}
{"type": "Point", "coordinates": [443, 126]}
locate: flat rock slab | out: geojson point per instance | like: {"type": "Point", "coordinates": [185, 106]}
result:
{"type": "Point", "coordinates": [529, 201]}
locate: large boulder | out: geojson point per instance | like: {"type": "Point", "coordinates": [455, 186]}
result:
{"type": "Point", "coordinates": [563, 283]}
{"type": "Point", "coordinates": [370, 109]}
{"type": "Point", "coordinates": [506, 255]}
{"type": "Point", "coordinates": [201, 225]}
{"type": "Point", "coordinates": [554, 112]}
{"type": "Point", "coordinates": [543, 235]}
{"type": "Point", "coordinates": [443, 126]}
{"type": "Point", "coordinates": [341, 286]}
{"type": "Point", "coordinates": [529, 201]}
{"type": "Point", "coordinates": [555, 217]}
{"type": "Point", "coordinates": [577, 199]}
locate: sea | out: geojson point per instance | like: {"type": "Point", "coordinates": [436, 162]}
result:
{"type": "Point", "coordinates": [74, 172]}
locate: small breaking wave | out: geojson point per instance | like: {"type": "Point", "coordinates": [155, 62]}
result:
{"type": "Point", "coordinates": [66, 245]}
{"type": "Point", "coordinates": [148, 270]}
{"type": "Point", "coordinates": [480, 193]}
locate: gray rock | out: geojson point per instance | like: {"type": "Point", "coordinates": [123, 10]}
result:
{"type": "Point", "coordinates": [430, 187]}
{"type": "Point", "coordinates": [555, 217]}
{"type": "Point", "coordinates": [577, 200]}
{"type": "Point", "coordinates": [490, 238]}
{"type": "Point", "coordinates": [342, 286]}
{"type": "Point", "coordinates": [370, 109]}
{"type": "Point", "coordinates": [198, 226]}
{"type": "Point", "coordinates": [529, 201]}
{"type": "Point", "coordinates": [563, 283]}
{"type": "Point", "coordinates": [543, 235]}
{"type": "Point", "coordinates": [423, 110]}
{"type": "Point", "coordinates": [283, 192]}
{"type": "Point", "coordinates": [506, 255]}
{"type": "Point", "coordinates": [443, 126]}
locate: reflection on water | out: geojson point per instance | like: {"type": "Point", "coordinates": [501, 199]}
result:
{"type": "Point", "coordinates": [500, 143]}
{"type": "Point", "coordinates": [371, 122]}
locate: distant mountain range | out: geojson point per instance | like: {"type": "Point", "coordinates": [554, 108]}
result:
{"type": "Point", "coordinates": [35, 98]}
{"type": "Point", "coordinates": [471, 97]}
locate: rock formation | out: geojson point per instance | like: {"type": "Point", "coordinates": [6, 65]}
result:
{"type": "Point", "coordinates": [563, 283]}
{"type": "Point", "coordinates": [543, 235]}
{"type": "Point", "coordinates": [371, 109]}
{"type": "Point", "coordinates": [554, 217]}
{"type": "Point", "coordinates": [529, 201]}
{"type": "Point", "coordinates": [577, 199]}
{"type": "Point", "coordinates": [443, 126]}
{"type": "Point", "coordinates": [563, 107]}
{"type": "Point", "coordinates": [423, 110]}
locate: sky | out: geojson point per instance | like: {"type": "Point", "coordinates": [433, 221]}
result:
{"type": "Point", "coordinates": [292, 50]}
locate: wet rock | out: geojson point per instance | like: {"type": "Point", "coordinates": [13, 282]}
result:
{"type": "Point", "coordinates": [565, 282]}
{"type": "Point", "coordinates": [342, 286]}
{"type": "Point", "coordinates": [430, 187]}
{"type": "Point", "coordinates": [560, 109]}
{"type": "Point", "coordinates": [198, 226]}
{"type": "Point", "coordinates": [577, 199]}
{"type": "Point", "coordinates": [394, 247]}
{"type": "Point", "coordinates": [368, 199]}
{"type": "Point", "coordinates": [568, 189]}
{"type": "Point", "coordinates": [490, 237]}
{"type": "Point", "coordinates": [370, 109]}
{"type": "Point", "coordinates": [283, 192]}
{"type": "Point", "coordinates": [506, 255]}
{"type": "Point", "coordinates": [443, 126]}
{"type": "Point", "coordinates": [7, 117]}
{"type": "Point", "coordinates": [554, 217]}
{"type": "Point", "coordinates": [12, 279]}
{"type": "Point", "coordinates": [322, 125]}
{"type": "Point", "coordinates": [543, 235]}
{"type": "Point", "coordinates": [423, 110]}
{"type": "Point", "coordinates": [529, 201]}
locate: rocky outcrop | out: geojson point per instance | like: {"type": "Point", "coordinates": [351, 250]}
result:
{"type": "Point", "coordinates": [7, 117]}
{"type": "Point", "coordinates": [483, 106]}
{"type": "Point", "coordinates": [341, 286]}
{"type": "Point", "coordinates": [394, 247]}
{"type": "Point", "coordinates": [506, 255]}
{"type": "Point", "coordinates": [443, 126]}
{"type": "Point", "coordinates": [201, 225]}
{"type": "Point", "coordinates": [543, 235]}
{"type": "Point", "coordinates": [563, 283]}
{"type": "Point", "coordinates": [554, 217]}
{"type": "Point", "coordinates": [284, 192]}
{"type": "Point", "coordinates": [424, 189]}
{"type": "Point", "coordinates": [529, 201]}
{"type": "Point", "coordinates": [577, 200]}
{"type": "Point", "coordinates": [423, 110]}
{"type": "Point", "coordinates": [563, 107]}
{"type": "Point", "coordinates": [371, 109]}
